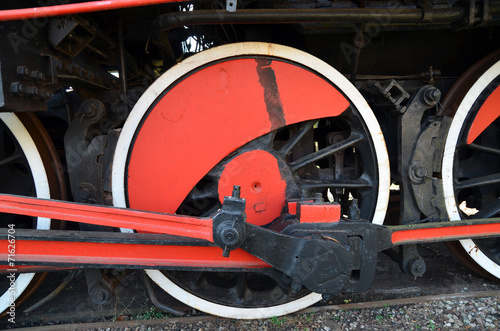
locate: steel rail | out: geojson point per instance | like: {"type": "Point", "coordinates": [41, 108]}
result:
{"type": "Point", "coordinates": [80, 318]}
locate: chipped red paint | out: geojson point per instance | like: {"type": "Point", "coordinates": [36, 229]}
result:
{"type": "Point", "coordinates": [208, 115]}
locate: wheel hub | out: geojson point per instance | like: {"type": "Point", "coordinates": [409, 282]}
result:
{"type": "Point", "coordinates": [262, 185]}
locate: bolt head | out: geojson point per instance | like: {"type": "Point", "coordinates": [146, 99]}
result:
{"type": "Point", "coordinates": [99, 295]}
{"type": "Point", "coordinates": [46, 94]}
{"type": "Point", "coordinates": [318, 198]}
{"type": "Point", "coordinates": [432, 96]}
{"type": "Point", "coordinates": [417, 173]}
{"type": "Point", "coordinates": [17, 88]}
{"type": "Point", "coordinates": [230, 236]}
{"type": "Point", "coordinates": [420, 171]}
{"type": "Point", "coordinates": [41, 76]}
{"type": "Point", "coordinates": [90, 110]}
{"type": "Point", "coordinates": [296, 287]}
{"type": "Point", "coordinates": [84, 194]}
{"type": "Point", "coordinates": [24, 71]}
{"type": "Point", "coordinates": [417, 267]}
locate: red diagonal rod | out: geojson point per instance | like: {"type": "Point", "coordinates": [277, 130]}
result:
{"type": "Point", "coordinates": [177, 225]}
{"type": "Point", "coordinates": [76, 8]}
{"type": "Point", "coordinates": [445, 231]}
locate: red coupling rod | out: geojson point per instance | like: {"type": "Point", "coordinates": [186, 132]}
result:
{"type": "Point", "coordinates": [76, 8]}
{"type": "Point", "coordinates": [444, 231]}
{"type": "Point", "coordinates": [177, 225]}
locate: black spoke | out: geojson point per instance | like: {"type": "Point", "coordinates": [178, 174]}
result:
{"type": "Point", "coordinates": [480, 181]}
{"type": "Point", "coordinates": [12, 159]}
{"type": "Point", "coordinates": [480, 148]}
{"type": "Point", "coordinates": [320, 184]}
{"type": "Point", "coordinates": [301, 132]}
{"type": "Point", "coordinates": [353, 139]}
{"type": "Point", "coordinates": [198, 280]}
{"type": "Point", "coordinates": [490, 210]}
{"type": "Point", "coordinates": [207, 193]}
{"type": "Point", "coordinates": [241, 285]}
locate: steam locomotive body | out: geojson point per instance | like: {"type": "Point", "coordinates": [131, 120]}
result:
{"type": "Point", "coordinates": [252, 156]}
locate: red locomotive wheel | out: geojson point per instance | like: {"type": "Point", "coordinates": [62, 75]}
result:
{"type": "Point", "coordinates": [471, 160]}
{"type": "Point", "coordinates": [281, 124]}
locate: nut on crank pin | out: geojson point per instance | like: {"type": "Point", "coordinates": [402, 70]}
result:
{"type": "Point", "coordinates": [229, 224]}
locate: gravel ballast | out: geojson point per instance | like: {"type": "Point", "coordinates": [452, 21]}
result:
{"type": "Point", "coordinates": [472, 313]}
{"type": "Point", "coordinates": [457, 314]}
{"type": "Point", "coordinates": [447, 297]}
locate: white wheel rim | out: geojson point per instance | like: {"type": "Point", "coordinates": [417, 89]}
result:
{"type": "Point", "coordinates": [449, 158]}
{"type": "Point", "coordinates": [216, 54]}
{"type": "Point", "coordinates": [42, 191]}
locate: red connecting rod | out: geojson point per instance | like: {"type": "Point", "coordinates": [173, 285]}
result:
{"type": "Point", "coordinates": [178, 225]}
{"type": "Point", "coordinates": [109, 249]}
{"type": "Point", "coordinates": [202, 228]}
{"type": "Point", "coordinates": [72, 248]}
{"type": "Point", "coordinates": [76, 8]}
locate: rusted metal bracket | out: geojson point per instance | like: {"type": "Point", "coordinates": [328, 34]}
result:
{"type": "Point", "coordinates": [414, 172]}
